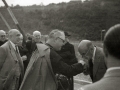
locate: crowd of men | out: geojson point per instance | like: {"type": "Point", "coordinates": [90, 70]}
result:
{"type": "Point", "coordinates": [35, 65]}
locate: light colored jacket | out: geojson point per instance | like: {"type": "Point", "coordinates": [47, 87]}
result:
{"type": "Point", "coordinates": [39, 74]}
{"type": "Point", "coordinates": [8, 61]}
{"type": "Point", "coordinates": [110, 81]}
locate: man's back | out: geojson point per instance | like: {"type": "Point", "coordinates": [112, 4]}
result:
{"type": "Point", "coordinates": [111, 81]}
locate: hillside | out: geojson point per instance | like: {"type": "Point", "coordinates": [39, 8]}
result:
{"type": "Point", "coordinates": [82, 20]}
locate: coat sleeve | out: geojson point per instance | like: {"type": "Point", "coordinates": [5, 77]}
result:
{"type": "Point", "coordinates": [2, 57]}
{"type": "Point", "coordinates": [60, 67]}
{"type": "Point", "coordinates": [2, 60]}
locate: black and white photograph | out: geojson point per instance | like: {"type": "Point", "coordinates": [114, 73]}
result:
{"type": "Point", "coordinates": [59, 44]}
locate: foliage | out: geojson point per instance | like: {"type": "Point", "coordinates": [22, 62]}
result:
{"type": "Point", "coordinates": [82, 20]}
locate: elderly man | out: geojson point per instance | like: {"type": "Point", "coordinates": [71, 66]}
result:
{"type": "Point", "coordinates": [111, 79]}
{"type": "Point", "coordinates": [23, 51]}
{"type": "Point", "coordinates": [67, 52]}
{"type": "Point", "coordinates": [2, 37]}
{"type": "Point", "coordinates": [11, 66]}
{"type": "Point", "coordinates": [95, 59]}
{"type": "Point", "coordinates": [31, 45]}
{"type": "Point", "coordinates": [45, 63]}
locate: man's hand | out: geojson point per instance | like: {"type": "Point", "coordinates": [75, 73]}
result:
{"type": "Point", "coordinates": [82, 62]}
{"type": "Point", "coordinates": [24, 57]}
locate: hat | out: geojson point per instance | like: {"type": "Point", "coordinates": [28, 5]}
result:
{"type": "Point", "coordinates": [67, 34]}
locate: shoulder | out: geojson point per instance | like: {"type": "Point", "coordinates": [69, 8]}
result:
{"type": "Point", "coordinates": [95, 86]}
{"type": "Point", "coordinates": [54, 54]}
{"type": "Point", "coordinates": [99, 51]}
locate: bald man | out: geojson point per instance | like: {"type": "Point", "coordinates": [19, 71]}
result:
{"type": "Point", "coordinates": [31, 45]}
{"type": "Point", "coordinates": [45, 63]}
{"type": "Point", "coordinates": [111, 46]}
{"type": "Point", "coordinates": [11, 65]}
{"type": "Point", "coordinates": [94, 58]}
{"type": "Point", "coordinates": [2, 37]}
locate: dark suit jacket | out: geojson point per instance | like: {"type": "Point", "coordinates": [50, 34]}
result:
{"type": "Point", "coordinates": [67, 52]}
{"type": "Point", "coordinates": [31, 47]}
{"type": "Point", "coordinates": [98, 69]}
{"type": "Point", "coordinates": [8, 61]}
{"type": "Point", "coordinates": [110, 81]}
{"type": "Point", "coordinates": [2, 42]}
{"type": "Point", "coordinates": [42, 71]}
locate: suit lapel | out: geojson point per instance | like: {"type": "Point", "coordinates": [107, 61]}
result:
{"type": "Point", "coordinates": [96, 61]}
{"type": "Point", "coordinates": [12, 51]}
{"type": "Point", "coordinates": [16, 57]}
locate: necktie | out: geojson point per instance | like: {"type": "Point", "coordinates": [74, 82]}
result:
{"type": "Point", "coordinates": [17, 49]}
{"type": "Point", "coordinates": [91, 68]}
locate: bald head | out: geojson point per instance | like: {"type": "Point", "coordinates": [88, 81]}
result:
{"type": "Point", "coordinates": [37, 33]}
{"type": "Point", "coordinates": [14, 35]}
{"type": "Point", "coordinates": [86, 49]}
{"type": "Point", "coordinates": [37, 36]}
{"type": "Point", "coordinates": [2, 35]}
{"type": "Point", "coordinates": [84, 46]}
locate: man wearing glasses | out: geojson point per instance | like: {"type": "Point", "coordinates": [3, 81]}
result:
{"type": "Point", "coordinates": [43, 66]}
{"type": "Point", "coordinates": [94, 58]}
{"type": "Point", "coordinates": [2, 37]}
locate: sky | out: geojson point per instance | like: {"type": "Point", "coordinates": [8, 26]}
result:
{"type": "Point", "coordinates": [31, 2]}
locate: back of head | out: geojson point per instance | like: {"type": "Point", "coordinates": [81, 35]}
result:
{"type": "Point", "coordinates": [112, 41]}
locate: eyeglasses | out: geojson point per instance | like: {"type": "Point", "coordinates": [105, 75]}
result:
{"type": "Point", "coordinates": [85, 55]}
{"type": "Point", "coordinates": [2, 36]}
{"type": "Point", "coordinates": [61, 39]}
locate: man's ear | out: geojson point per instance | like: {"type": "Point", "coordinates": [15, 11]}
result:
{"type": "Point", "coordinates": [105, 51]}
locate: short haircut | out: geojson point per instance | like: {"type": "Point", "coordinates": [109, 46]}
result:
{"type": "Point", "coordinates": [37, 33]}
{"type": "Point", "coordinates": [112, 41]}
{"type": "Point", "coordinates": [11, 32]}
{"type": "Point", "coordinates": [2, 32]}
{"type": "Point", "coordinates": [57, 33]}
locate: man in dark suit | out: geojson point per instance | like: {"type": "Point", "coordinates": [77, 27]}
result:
{"type": "Point", "coordinates": [2, 37]}
{"type": "Point", "coordinates": [23, 51]}
{"type": "Point", "coordinates": [111, 79]}
{"type": "Point", "coordinates": [31, 45]}
{"type": "Point", "coordinates": [44, 65]}
{"type": "Point", "coordinates": [67, 52]}
{"type": "Point", "coordinates": [11, 66]}
{"type": "Point", "coordinates": [95, 59]}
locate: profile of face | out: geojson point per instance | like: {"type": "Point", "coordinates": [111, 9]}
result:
{"type": "Point", "coordinates": [59, 43]}
{"type": "Point", "coordinates": [21, 40]}
{"type": "Point", "coordinates": [2, 36]}
{"type": "Point", "coordinates": [15, 36]}
{"type": "Point", "coordinates": [86, 53]}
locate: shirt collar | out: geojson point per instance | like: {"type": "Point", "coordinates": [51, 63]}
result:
{"type": "Point", "coordinates": [93, 57]}
{"type": "Point", "coordinates": [112, 68]}
{"type": "Point", "coordinates": [13, 45]}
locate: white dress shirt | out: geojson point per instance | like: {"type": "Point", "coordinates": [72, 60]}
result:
{"type": "Point", "coordinates": [93, 57]}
